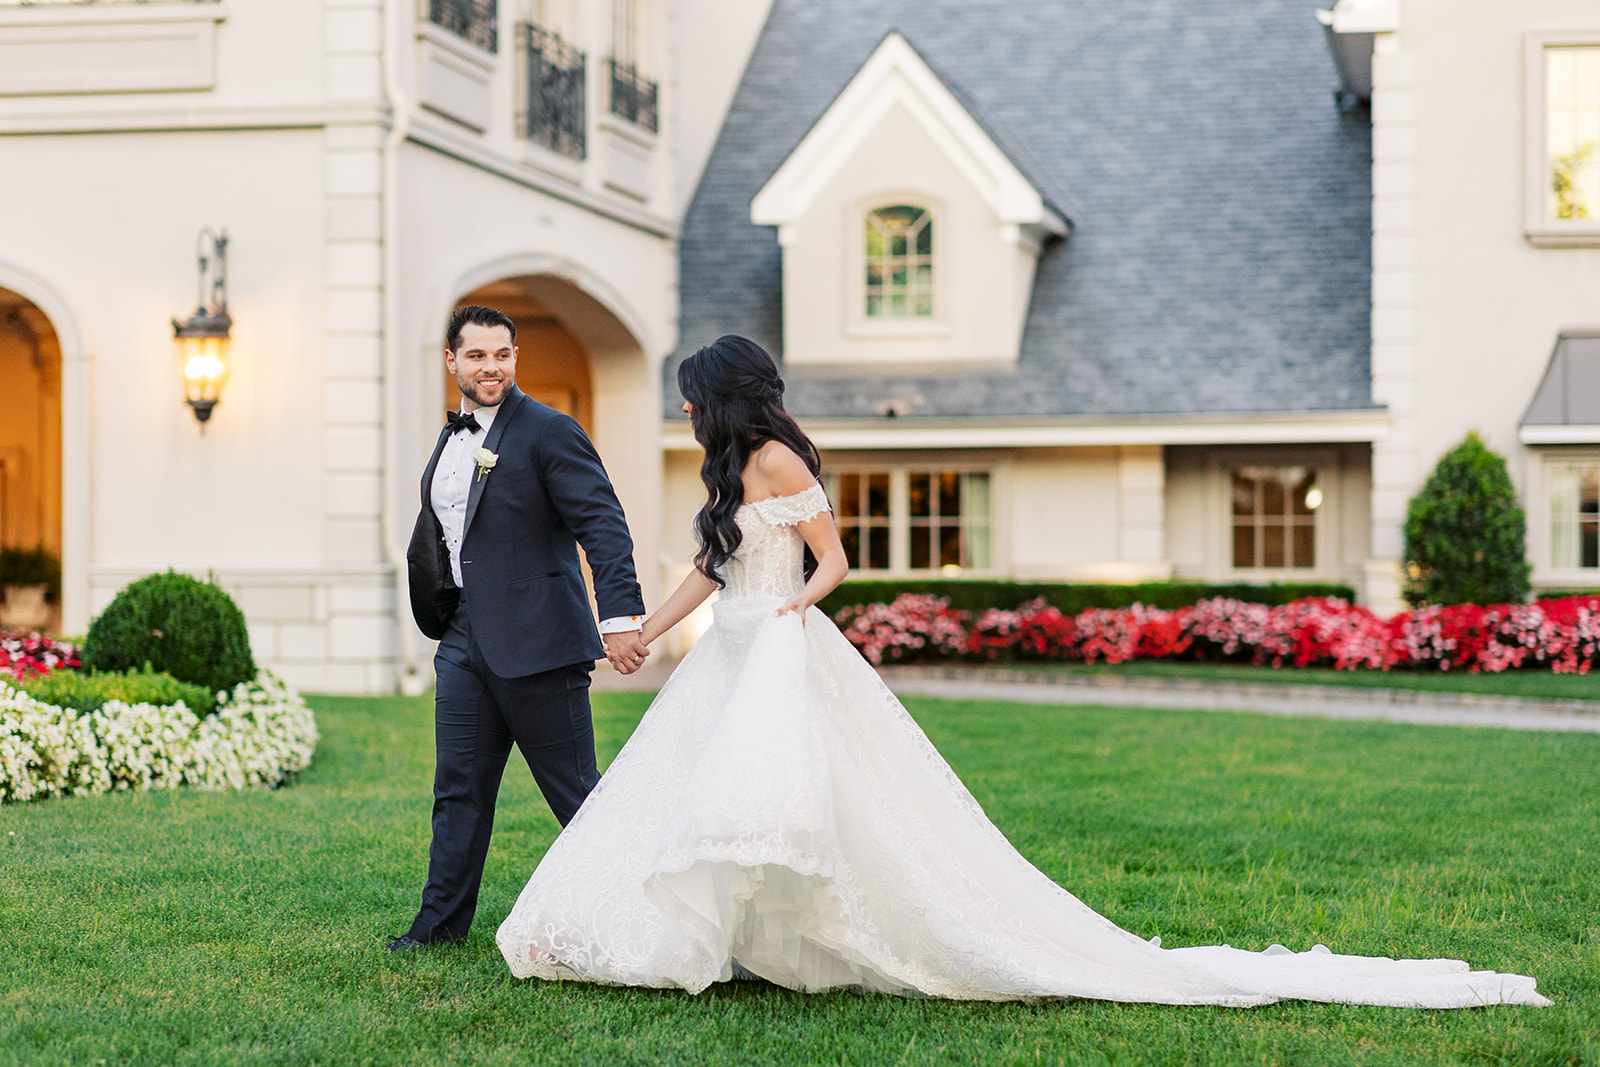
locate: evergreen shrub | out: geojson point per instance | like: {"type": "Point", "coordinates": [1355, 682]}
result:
{"type": "Point", "coordinates": [87, 691]}
{"type": "Point", "coordinates": [979, 595]}
{"type": "Point", "coordinates": [1465, 533]}
{"type": "Point", "coordinates": [189, 629]}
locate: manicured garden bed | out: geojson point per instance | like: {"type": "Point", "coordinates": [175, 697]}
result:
{"type": "Point", "coordinates": [1561, 635]}
{"type": "Point", "coordinates": [188, 927]}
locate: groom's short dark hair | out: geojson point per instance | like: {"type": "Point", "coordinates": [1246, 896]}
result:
{"type": "Point", "coordinates": [477, 315]}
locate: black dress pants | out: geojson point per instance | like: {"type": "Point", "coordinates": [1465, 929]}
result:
{"type": "Point", "coordinates": [477, 717]}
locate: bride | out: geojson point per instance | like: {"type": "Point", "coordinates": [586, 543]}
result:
{"type": "Point", "coordinates": [777, 811]}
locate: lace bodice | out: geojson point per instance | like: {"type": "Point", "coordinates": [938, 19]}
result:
{"type": "Point", "coordinates": [769, 559]}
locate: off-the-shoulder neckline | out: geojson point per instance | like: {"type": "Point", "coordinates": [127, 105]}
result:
{"type": "Point", "coordinates": [817, 486]}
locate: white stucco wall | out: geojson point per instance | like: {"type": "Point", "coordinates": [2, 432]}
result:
{"type": "Point", "coordinates": [1466, 308]}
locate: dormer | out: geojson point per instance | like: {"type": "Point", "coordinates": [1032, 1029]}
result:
{"type": "Point", "coordinates": [909, 236]}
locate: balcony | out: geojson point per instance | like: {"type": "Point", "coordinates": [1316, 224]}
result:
{"type": "Point", "coordinates": [633, 96]}
{"type": "Point", "coordinates": [553, 114]}
{"type": "Point", "coordinates": [471, 20]}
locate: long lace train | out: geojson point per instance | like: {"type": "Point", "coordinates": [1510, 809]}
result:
{"type": "Point", "coordinates": [777, 806]}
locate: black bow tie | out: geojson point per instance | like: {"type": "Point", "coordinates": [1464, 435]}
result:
{"type": "Point", "coordinates": [458, 421]}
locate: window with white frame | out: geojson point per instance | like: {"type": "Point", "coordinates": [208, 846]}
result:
{"type": "Point", "coordinates": [1562, 162]}
{"type": "Point", "coordinates": [914, 519]}
{"type": "Point", "coordinates": [1572, 132]}
{"type": "Point", "coordinates": [1275, 517]}
{"type": "Point", "coordinates": [1574, 490]}
{"type": "Point", "coordinates": [899, 260]}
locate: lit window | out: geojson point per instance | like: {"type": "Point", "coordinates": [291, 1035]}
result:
{"type": "Point", "coordinates": [916, 520]}
{"type": "Point", "coordinates": [1275, 517]}
{"type": "Point", "coordinates": [949, 519]}
{"type": "Point", "coordinates": [862, 506]}
{"type": "Point", "coordinates": [1575, 514]}
{"type": "Point", "coordinates": [899, 262]}
{"type": "Point", "coordinates": [1572, 132]}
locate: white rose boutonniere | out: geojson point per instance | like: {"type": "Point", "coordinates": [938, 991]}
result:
{"type": "Point", "coordinates": [485, 461]}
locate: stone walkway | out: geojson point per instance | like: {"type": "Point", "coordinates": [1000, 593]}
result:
{"type": "Point", "coordinates": [1266, 698]}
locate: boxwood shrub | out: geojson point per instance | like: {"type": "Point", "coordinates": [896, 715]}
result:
{"type": "Point", "coordinates": [87, 691]}
{"type": "Point", "coordinates": [977, 595]}
{"type": "Point", "coordinates": [189, 629]}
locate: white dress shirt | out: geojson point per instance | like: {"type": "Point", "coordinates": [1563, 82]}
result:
{"type": "Point", "coordinates": [452, 485]}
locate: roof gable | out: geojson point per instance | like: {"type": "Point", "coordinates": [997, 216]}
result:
{"type": "Point", "coordinates": [896, 76]}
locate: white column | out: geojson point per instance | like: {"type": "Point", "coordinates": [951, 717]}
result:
{"type": "Point", "coordinates": [1141, 495]}
{"type": "Point", "coordinates": [1395, 462]}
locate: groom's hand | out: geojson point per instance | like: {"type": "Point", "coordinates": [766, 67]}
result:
{"type": "Point", "coordinates": [625, 651]}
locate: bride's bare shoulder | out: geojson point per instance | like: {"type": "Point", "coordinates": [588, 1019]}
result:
{"type": "Point", "coordinates": [775, 470]}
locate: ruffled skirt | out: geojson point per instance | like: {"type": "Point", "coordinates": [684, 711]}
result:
{"type": "Point", "coordinates": [778, 807]}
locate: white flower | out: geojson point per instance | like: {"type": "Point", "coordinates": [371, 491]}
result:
{"type": "Point", "coordinates": [260, 735]}
{"type": "Point", "coordinates": [485, 460]}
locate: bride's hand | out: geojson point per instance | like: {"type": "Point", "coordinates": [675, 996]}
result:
{"type": "Point", "coordinates": [797, 605]}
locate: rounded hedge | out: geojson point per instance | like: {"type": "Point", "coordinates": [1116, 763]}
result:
{"type": "Point", "coordinates": [189, 629]}
{"type": "Point", "coordinates": [1465, 532]}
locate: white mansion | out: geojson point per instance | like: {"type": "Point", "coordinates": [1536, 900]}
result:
{"type": "Point", "coordinates": [1064, 290]}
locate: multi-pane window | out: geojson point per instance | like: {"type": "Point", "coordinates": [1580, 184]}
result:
{"type": "Point", "coordinates": [899, 262]}
{"type": "Point", "coordinates": [1275, 517]}
{"type": "Point", "coordinates": [914, 520]}
{"type": "Point", "coordinates": [861, 505]}
{"type": "Point", "coordinates": [1572, 132]}
{"type": "Point", "coordinates": [948, 520]}
{"type": "Point", "coordinates": [1575, 514]}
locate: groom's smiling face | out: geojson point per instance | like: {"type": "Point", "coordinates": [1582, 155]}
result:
{"type": "Point", "coordinates": [484, 363]}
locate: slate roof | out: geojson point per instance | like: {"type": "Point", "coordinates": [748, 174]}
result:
{"type": "Point", "coordinates": [1220, 261]}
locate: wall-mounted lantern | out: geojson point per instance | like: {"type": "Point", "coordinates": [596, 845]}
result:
{"type": "Point", "coordinates": [202, 338]}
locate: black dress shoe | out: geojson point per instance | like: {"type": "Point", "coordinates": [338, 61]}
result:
{"type": "Point", "coordinates": [405, 943]}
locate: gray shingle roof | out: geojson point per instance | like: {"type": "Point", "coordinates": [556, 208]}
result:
{"type": "Point", "coordinates": [1220, 260]}
{"type": "Point", "coordinates": [1569, 394]}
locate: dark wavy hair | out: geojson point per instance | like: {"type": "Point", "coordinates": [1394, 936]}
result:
{"type": "Point", "coordinates": [736, 405]}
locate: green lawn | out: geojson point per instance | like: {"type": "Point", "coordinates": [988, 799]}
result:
{"type": "Point", "coordinates": [1522, 683]}
{"type": "Point", "coordinates": [195, 928]}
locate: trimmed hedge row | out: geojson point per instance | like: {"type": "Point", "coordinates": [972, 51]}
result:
{"type": "Point", "coordinates": [86, 691]}
{"type": "Point", "coordinates": [979, 595]}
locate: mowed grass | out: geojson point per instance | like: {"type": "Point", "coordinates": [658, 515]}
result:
{"type": "Point", "coordinates": [1520, 683]}
{"type": "Point", "coordinates": [193, 928]}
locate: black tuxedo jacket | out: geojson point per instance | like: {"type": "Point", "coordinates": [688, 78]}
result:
{"type": "Point", "coordinates": [522, 586]}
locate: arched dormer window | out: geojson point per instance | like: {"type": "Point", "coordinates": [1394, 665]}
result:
{"type": "Point", "coordinates": [899, 262]}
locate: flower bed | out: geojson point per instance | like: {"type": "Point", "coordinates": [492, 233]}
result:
{"type": "Point", "coordinates": [260, 735]}
{"type": "Point", "coordinates": [1563, 635]}
{"type": "Point", "coordinates": [28, 655]}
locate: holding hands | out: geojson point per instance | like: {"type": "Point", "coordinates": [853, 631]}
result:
{"type": "Point", "coordinates": [626, 651]}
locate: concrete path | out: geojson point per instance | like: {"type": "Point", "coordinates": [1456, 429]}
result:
{"type": "Point", "coordinates": [1267, 698]}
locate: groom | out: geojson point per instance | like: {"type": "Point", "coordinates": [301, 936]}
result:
{"type": "Point", "coordinates": [516, 487]}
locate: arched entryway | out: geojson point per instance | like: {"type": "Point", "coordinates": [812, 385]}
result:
{"type": "Point", "coordinates": [552, 367]}
{"type": "Point", "coordinates": [576, 354]}
{"type": "Point", "coordinates": [30, 462]}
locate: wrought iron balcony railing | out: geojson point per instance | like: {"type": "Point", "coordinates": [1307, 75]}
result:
{"type": "Point", "coordinates": [633, 96]}
{"type": "Point", "coordinates": [471, 20]}
{"type": "Point", "coordinates": [553, 113]}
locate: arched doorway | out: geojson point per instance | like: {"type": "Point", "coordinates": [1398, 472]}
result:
{"type": "Point", "coordinates": [552, 366]}
{"type": "Point", "coordinates": [30, 462]}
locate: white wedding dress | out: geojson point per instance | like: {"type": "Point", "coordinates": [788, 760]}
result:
{"type": "Point", "coordinates": [777, 807]}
